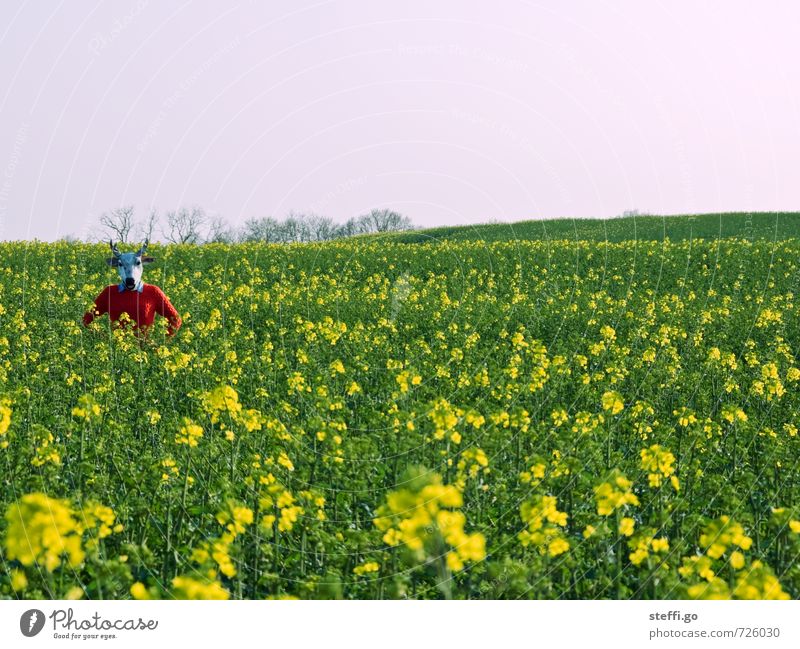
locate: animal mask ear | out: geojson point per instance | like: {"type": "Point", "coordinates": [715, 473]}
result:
{"type": "Point", "coordinates": [112, 261]}
{"type": "Point", "coordinates": [148, 260]}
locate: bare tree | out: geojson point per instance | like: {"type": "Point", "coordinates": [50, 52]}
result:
{"type": "Point", "coordinates": [184, 225]}
{"type": "Point", "coordinates": [118, 223]}
{"type": "Point", "coordinates": [352, 227]}
{"type": "Point", "coordinates": [298, 228]}
{"type": "Point", "coordinates": [219, 231]}
{"type": "Point", "coordinates": [147, 228]}
{"type": "Point", "coordinates": [263, 229]}
{"type": "Point", "coordinates": [289, 230]}
{"type": "Point", "coordinates": [384, 221]}
{"type": "Point", "coordinates": [321, 228]}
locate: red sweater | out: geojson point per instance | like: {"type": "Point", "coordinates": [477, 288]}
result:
{"type": "Point", "coordinates": [141, 306]}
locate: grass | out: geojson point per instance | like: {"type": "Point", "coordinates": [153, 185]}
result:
{"type": "Point", "coordinates": [746, 225]}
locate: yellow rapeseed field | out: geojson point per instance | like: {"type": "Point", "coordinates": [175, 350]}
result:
{"type": "Point", "coordinates": [368, 419]}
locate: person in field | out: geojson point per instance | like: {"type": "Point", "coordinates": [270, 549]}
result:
{"type": "Point", "coordinates": [132, 296]}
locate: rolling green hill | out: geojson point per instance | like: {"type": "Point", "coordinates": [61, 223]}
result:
{"type": "Point", "coordinates": [763, 225]}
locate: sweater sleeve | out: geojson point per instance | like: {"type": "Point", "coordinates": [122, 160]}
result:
{"type": "Point", "coordinates": [100, 307]}
{"type": "Point", "coordinates": [164, 308]}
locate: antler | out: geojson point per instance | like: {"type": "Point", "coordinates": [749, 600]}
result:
{"type": "Point", "coordinates": [114, 248]}
{"type": "Point", "coordinates": [143, 249]}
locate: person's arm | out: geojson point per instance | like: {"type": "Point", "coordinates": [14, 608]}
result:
{"type": "Point", "coordinates": [100, 307]}
{"type": "Point", "coordinates": [164, 308]}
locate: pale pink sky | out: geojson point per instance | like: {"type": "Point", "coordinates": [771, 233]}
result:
{"type": "Point", "coordinates": [450, 111]}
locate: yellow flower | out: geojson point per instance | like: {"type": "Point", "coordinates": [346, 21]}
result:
{"type": "Point", "coordinates": [170, 469]}
{"type": "Point", "coordinates": [659, 462]}
{"type": "Point", "coordinates": [95, 515]}
{"type": "Point", "coordinates": [543, 523]}
{"type": "Point", "coordinates": [5, 419]}
{"type": "Point", "coordinates": [660, 545]}
{"type": "Point", "coordinates": [685, 417]}
{"type": "Point", "coordinates": [19, 581]}
{"type": "Point", "coordinates": [626, 526]}
{"type": "Point", "coordinates": [285, 462]}
{"type": "Point", "coordinates": [614, 494]}
{"type": "Point", "coordinates": [444, 417]}
{"type": "Point", "coordinates": [288, 517]}
{"type": "Point", "coordinates": [139, 591]}
{"type": "Point", "coordinates": [189, 588]}
{"type": "Point", "coordinates": [45, 448]}
{"type": "Point", "coordinates": [608, 333]}
{"type": "Point", "coordinates": [74, 593]}
{"type": "Point", "coordinates": [87, 409]}
{"type": "Point", "coordinates": [41, 530]}
{"type": "Point", "coordinates": [714, 589]}
{"type": "Point", "coordinates": [557, 546]}
{"type": "Point", "coordinates": [613, 401]}
{"type": "Point", "coordinates": [365, 568]}
{"type": "Point", "coordinates": [221, 400]}
{"type": "Point", "coordinates": [737, 560]}
{"type": "Point", "coordinates": [473, 548]}
{"type": "Point", "coordinates": [235, 519]}
{"type": "Point", "coordinates": [722, 533]}
{"type": "Point", "coordinates": [425, 514]}
{"type": "Point", "coordinates": [758, 582]}
{"type": "Point", "coordinates": [189, 433]}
